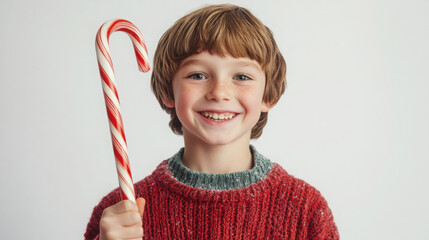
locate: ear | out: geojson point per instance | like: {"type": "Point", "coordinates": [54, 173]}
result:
{"type": "Point", "coordinates": [167, 102]}
{"type": "Point", "coordinates": [266, 106]}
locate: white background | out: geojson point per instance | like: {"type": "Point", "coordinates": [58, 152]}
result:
{"type": "Point", "coordinates": [353, 121]}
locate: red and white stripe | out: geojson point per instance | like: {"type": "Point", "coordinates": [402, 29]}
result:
{"type": "Point", "coordinates": [111, 97]}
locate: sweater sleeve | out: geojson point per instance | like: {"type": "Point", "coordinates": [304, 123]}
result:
{"type": "Point", "coordinates": [93, 227]}
{"type": "Point", "coordinates": [322, 225]}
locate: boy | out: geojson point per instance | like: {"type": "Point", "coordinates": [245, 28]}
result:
{"type": "Point", "coordinates": [217, 72]}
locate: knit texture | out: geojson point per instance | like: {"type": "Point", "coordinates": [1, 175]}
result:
{"type": "Point", "coordinates": [264, 202]}
{"type": "Point", "coordinates": [228, 181]}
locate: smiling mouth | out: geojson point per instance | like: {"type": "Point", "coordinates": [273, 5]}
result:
{"type": "Point", "coordinates": [217, 116]}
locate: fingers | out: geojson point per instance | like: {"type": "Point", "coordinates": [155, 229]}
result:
{"type": "Point", "coordinates": [122, 207]}
{"type": "Point", "coordinates": [128, 219]}
{"type": "Point", "coordinates": [133, 232]}
{"type": "Point", "coordinates": [122, 221]}
{"type": "Point", "coordinates": [141, 202]}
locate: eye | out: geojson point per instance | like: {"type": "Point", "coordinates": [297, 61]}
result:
{"type": "Point", "coordinates": [197, 76]}
{"type": "Point", "coordinates": [242, 77]}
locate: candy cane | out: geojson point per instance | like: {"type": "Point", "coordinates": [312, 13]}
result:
{"type": "Point", "coordinates": [108, 80]}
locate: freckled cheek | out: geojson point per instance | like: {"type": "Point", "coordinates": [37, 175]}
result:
{"type": "Point", "coordinates": [252, 98]}
{"type": "Point", "coordinates": [185, 100]}
{"type": "Point", "coordinates": [186, 97]}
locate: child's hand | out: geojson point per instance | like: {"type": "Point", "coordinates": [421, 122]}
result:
{"type": "Point", "coordinates": [123, 220]}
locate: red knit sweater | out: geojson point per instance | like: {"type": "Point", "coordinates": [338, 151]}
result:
{"type": "Point", "coordinates": [279, 206]}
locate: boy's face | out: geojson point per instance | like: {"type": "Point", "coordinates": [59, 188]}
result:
{"type": "Point", "coordinates": [218, 99]}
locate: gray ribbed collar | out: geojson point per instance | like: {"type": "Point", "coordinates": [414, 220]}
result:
{"type": "Point", "coordinates": [220, 181]}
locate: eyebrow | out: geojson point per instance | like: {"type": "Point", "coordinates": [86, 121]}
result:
{"type": "Point", "coordinates": [242, 63]}
{"type": "Point", "coordinates": [249, 64]}
{"type": "Point", "coordinates": [189, 62]}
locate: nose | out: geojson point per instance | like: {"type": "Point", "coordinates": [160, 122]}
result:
{"type": "Point", "coordinates": [219, 90]}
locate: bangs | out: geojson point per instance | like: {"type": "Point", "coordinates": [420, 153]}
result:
{"type": "Point", "coordinates": [232, 32]}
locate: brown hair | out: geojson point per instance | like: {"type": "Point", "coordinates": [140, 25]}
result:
{"type": "Point", "coordinates": [218, 29]}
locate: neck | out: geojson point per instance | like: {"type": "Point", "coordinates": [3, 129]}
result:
{"type": "Point", "coordinates": [217, 159]}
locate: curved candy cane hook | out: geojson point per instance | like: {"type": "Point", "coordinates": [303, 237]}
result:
{"type": "Point", "coordinates": [111, 97]}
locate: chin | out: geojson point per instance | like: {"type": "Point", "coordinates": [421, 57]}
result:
{"type": "Point", "coordinates": [216, 142]}
{"type": "Point", "coordinates": [219, 140]}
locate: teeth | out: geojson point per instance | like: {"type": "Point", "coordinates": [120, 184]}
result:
{"type": "Point", "coordinates": [220, 116]}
